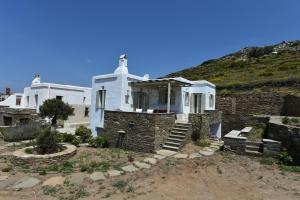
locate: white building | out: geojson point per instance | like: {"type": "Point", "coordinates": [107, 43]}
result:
{"type": "Point", "coordinates": [34, 96]}
{"type": "Point", "coordinates": [130, 93]}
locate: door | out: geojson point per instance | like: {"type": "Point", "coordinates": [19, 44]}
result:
{"type": "Point", "coordinates": [196, 103]}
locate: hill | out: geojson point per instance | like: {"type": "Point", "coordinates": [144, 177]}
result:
{"type": "Point", "coordinates": [251, 68]}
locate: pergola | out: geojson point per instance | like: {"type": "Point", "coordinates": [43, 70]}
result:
{"type": "Point", "coordinates": [159, 83]}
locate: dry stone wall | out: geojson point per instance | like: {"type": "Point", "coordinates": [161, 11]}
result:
{"type": "Point", "coordinates": [142, 132]}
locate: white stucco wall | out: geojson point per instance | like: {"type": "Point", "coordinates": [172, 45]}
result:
{"type": "Point", "coordinates": [11, 101]}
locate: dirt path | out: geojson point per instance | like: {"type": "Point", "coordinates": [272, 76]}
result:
{"type": "Point", "coordinates": [222, 176]}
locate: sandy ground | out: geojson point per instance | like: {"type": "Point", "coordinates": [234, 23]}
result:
{"type": "Point", "coordinates": [222, 176]}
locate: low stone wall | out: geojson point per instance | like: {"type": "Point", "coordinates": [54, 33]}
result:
{"type": "Point", "coordinates": [20, 157]}
{"type": "Point", "coordinates": [201, 122]}
{"type": "Point", "coordinates": [289, 136]}
{"type": "Point", "coordinates": [271, 147]}
{"type": "Point", "coordinates": [238, 122]}
{"type": "Point", "coordinates": [144, 132]}
{"type": "Point", "coordinates": [236, 144]}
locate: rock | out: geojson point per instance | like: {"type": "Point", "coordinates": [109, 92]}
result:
{"type": "Point", "coordinates": [159, 157]}
{"type": "Point", "coordinates": [8, 182]}
{"type": "Point", "coordinates": [113, 173]}
{"type": "Point", "coordinates": [195, 155]}
{"type": "Point", "coordinates": [206, 153]}
{"type": "Point", "coordinates": [142, 165]}
{"type": "Point", "coordinates": [3, 178]}
{"type": "Point", "coordinates": [53, 181]}
{"type": "Point", "coordinates": [129, 168]}
{"type": "Point", "coordinates": [97, 176]}
{"type": "Point", "coordinates": [77, 179]}
{"type": "Point", "coordinates": [180, 155]}
{"type": "Point", "coordinates": [151, 161]}
{"type": "Point", "coordinates": [166, 153]}
{"type": "Point", "coordinates": [27, 182]}
{"type": "Point", "coordinates": [209, 149]}
{"type": "Point", "coordinates": [7, 169]}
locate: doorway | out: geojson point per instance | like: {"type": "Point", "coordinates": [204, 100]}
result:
{"type": "Point", "coordinates": [197, 103]}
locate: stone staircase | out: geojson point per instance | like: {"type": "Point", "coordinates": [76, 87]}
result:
{"type": "Point", "coordinates": [253, 148]}
{"type": "Point", "coordinates": [177, 137]}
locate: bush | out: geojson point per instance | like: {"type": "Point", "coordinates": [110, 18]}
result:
{"type": "Point", "coordinates": [284, 158]}
{"type": "Point", "coordinates": [84, 133]}
{"type": "Point", "coordinates": [68, 138]}
{"type": "Point", "coordinates": [295, 120]}
{"type": "Point", "coordinates": [22, 132]}
{"type": "Point", "coordinates": [285, 120]}
{"type": "Point", "coordinates": [46, 141]}
{"type": "Point", "coordinates": [99, 141]}
{"type": "Point", "coordinates": [203, 143]}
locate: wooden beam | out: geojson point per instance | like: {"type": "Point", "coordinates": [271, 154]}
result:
{"type": "Point", "coordinates": [169, 97]}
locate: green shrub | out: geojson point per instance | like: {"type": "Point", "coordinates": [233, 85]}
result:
{"type": "Point", "coordinates": [295, 120]}
{"type": "Point", "coordinates": [29, 150]}
{"type": "Point", "coordinates": [99, 141]}
{"type": "Point", "coordinates": [295, 169]}
{"type": "Point", "coordinates": [284, 158]}
{"type": "Point", "coordinates": [285, 120]}
{"type": "Point", "coordinates": [46, 141]}
{"type": "Point", "coordinates": [203, 143]}
{"type": "Point", "coordinates": [68, 138]}
{"type": "Point", "coordinates": [84, 134]}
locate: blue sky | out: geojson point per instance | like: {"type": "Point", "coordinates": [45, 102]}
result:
{"type": "Point", "coordinates": [69, 41]}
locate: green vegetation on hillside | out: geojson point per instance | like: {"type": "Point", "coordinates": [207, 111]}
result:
{"type": "Point", "coordinates": [249, 66]}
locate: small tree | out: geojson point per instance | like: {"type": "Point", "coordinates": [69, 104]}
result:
{"type": "Point", "coordinates": [55, 109]}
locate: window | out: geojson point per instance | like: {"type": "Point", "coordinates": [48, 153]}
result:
{"type": "Point", "coordinates": [127, 98]}
{"type": "Point", "coordinates": [86, 112]}
{"type": "Point", "coordinates": [36, 97]}
{"type": "Point", "coordinates": [18, 101]}
{"type": "Point", "coordinates": [186, 99]}
{"type": "Point", "coordinates": [84, 98]}
{"type": "Point", "coordinates": [163, 96]}
{"type": "Point", "coordinates": [211, 101]}
{"type": "Point", "coordinates": [27, 101]}
{"type": "Point", "coordinates": [100, 98]}
{"type": "Point", "coordinates": [59, 97]}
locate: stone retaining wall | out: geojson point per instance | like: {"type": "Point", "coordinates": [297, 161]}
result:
{"type": "Point", "coordinates": [236, 144]}
{"type": "Point", "coordinates": [288, 135]}
{"type": "Point", "coordinates": [259, 104]}
{"type": "Point", "coordinates": [271, 147]}
{"type": "Point", "coordinates": [144, 132]}
{"type": "Point", "coordinates": [201, 122]}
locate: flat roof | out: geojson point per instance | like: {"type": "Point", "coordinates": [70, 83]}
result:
{"type": "Point", "coordinates": [161, 82]}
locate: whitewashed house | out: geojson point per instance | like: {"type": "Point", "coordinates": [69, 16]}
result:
{"type": "Point", "coordinates": [130, 93]}
{"type": "Point", "coordinates": [33, 97]}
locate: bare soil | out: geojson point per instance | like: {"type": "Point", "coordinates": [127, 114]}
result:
{"type": "Point", "coordinates": [221, 176]}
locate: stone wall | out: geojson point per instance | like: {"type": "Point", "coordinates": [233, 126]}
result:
{"type": "Point", "coordinates": [236, 144]}
{"type": "Point", "coordinates": [238, 121]}
{"type": "Point", "coordinates": [201, 122]}
{"type": "Point", "coordinates": [259, 104]}
{"type": "Point", "coordinates": [17, 115]}
{"type": "Point", "coordinates": [142, 132]}
{"type": "Point", "coordinates": [271, 147]}
{"type": "Point", "coordinates": [288, 135]}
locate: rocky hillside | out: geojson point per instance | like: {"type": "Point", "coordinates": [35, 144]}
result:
{"type": "Point", "coordinates": [252, 67]}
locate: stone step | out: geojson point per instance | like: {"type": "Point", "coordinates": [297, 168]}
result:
{"type": "Point", "coordinates": [177, 133]}
{"type": "Point", "coordinates": [175, 140]}
{"type": "Point", "coordinates": [175, 144]}
{"type": "Point", "coordinates": [182, 126]}
{"type": "Point", "coordinates": [253, 143]}
{"type": "Point", "coordinates": [252, 148]}
{"type": "Point", "coordinates": [253, 153]}
{"type": "Point", "coordinates": [184, 123]}
{"type": "Point", "coordinates": [172, 148]}
{"type": "Point", "coordinates": [180, 129]}
{"type": "Point", "coordinates": [176, 137]}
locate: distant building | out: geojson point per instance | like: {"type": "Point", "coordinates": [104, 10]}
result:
{"type": "Point", "coordinates": [34, 96]}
